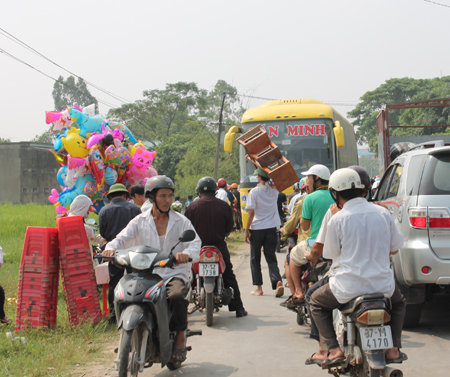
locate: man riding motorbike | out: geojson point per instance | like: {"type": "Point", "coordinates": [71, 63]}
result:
{"type": "Point", "coordinates": [160, 228]}
{"type": "Point", "coordinates": [315, 205]}
{"type": "Point", "coordinates": [362, 236]}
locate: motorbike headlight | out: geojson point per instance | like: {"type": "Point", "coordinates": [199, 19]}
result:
{"type": "Point", "coordinates": [141, 261]}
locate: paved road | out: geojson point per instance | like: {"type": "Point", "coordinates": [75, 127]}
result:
{"type": "Point", "coordinates": [270, 343]}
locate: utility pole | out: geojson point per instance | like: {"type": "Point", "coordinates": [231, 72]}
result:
{"type": "Point", "coordinates": [216, 164]}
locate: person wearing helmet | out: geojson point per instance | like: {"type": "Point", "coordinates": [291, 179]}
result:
{"type": "Point", "coordinates": [237, 206]}
{"type": "Point", "coordinates": [261, 232]}
{"type": "Point", "coordinates": [213, 220]}
{"type": "Point", "coordinates": [222, 192]}
{"type": "Point", "coordinates": [160, 228]}
{"type": "Point", "coordinates": [295, 196]}
{"type": "Point", "coordinates": [361, 237]}
{"type": "Point", "coordinates": [315, 205]}
{"type": "Point", "coordinates": [112, 219]}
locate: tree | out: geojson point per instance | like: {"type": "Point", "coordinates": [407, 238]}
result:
{"type": "Point", "coordinates": [67, 93]}
{"type": "Point", "coordinates": [370, 164]}
{"type": "Point", "coordinates": [5, 140]}
{"type": "Point", "coordinates": [161, 113]}
{"type": "Point", "coordinates": [394, 91]}
{"type": "Point", "coordinates": [70, 92]}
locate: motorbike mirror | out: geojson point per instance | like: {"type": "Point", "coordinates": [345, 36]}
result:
{"type": "Point", "coordinates": [90, 221]}
{"type": "Point", "coordinates": [187, 236]}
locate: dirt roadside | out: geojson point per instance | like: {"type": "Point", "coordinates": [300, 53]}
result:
{"type": "Point", "coordinates": [104, 366]}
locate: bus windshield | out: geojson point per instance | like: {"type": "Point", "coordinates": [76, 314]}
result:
{"type": "Point", "coordinates": [304, 142]}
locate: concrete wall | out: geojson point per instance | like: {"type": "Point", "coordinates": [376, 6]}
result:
{"type": "Point", "coordinates": [27, 173]}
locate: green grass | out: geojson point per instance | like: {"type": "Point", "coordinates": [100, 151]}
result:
{"type": "Point", "coordinates": [45, 352]}
{"type": "Point", "coordinates": [234, 240]}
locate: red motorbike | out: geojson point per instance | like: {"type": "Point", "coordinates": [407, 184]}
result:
{"type": "Point", "coordinates": [208, 292]}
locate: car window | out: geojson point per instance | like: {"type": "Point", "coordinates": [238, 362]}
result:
{"type": "Point", "coordinates": [436, 173]}
{"type": "Point", "coordinates": [415, 174]}
{"type": "Point", "coordinates": [382, 192]}
{"type": "Point", "coordinates": [395, 181]}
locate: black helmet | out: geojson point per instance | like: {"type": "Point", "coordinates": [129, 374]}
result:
{"type": "Point", "coordinates": [206, 184]}
{"type": "Point", "coordinates": [156, 183]}
{"type": "Point", "coordinates": [362, 172]}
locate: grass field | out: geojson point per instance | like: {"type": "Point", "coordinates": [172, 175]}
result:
{"type": "Point", "coordinates": [45, 353]}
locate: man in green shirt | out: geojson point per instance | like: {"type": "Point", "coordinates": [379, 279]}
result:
{"type": "Point", "coordinates": [315, 205]}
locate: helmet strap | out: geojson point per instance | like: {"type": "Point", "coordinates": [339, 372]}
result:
{"type": "Point", "coordinates": [335, 196]}
{"type": "Point", "coordinates": [153, 199]}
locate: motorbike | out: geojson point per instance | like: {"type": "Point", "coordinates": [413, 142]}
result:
{"type": "Point", "coordinates": [364, 336]}
{"type": "Point", "coordinates": [310, 275]}
{"type": "Point", "coordinates": [208, 292]}
{"type": "Point", "coordinates": [140, 304]}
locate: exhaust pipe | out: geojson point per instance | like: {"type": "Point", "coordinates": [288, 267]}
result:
{"type": "Point", "coordinates": [391, 372]}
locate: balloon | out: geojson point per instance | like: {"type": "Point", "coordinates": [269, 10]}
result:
{"type": "Point", "coordinates": [150, 172]}
{"type": "Point", "coordinates": [87, 124]}
{"type": "Point", "coordinates": [117, 158]}
{"type": "Point", "coordinates": [142, 158]}
{"type": "Point", "coordinates": [127, 135]}
{"type": "Point", "coordinates": [75, 144]}
{"type": "Point", "coordinates": [96, 165]}
{"type": "Point", "coordinates": [61, 176]}
{"type": "Point", "coordinates": [110, 176]}
{"type": "Point", "coordinates": [96, 137]}
{"type": "Point", "coordinates": [60, 158]}
{"type": "Point", "coordinates": [135, 147]}
{"type": "Point", "coordinates": [58, 144]}
{"type": "Point", "coordinates": [60, 119]}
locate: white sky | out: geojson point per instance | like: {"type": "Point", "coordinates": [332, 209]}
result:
{"type": "Point", "coordinates": [330, 50]}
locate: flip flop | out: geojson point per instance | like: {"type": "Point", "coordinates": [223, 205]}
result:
{"type": "Point", "coordinates": [311, 361]}
{"type": "Point", "coordinates": [295, 302]}
{"type": "Point", "coordinates": [253, 293]}
{"type": "Point", "coordinates": [279, 291]}
{"type": "Point", "coordinates": [332, 363]}
{"type": "Point", "coordinates": [400, 359]}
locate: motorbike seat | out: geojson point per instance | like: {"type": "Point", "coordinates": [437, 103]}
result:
{"type": "Point", "coordinates": [351, 306]}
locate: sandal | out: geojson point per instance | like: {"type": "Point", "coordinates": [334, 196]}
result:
{"type": "Point", "coordinates": [311, 361]}
{"type": "Point", "coordinates": [400, 359]}
{"type": "Point", "coordinates": [327, 363]}
{"type": "Point", "coordinates": [179, 355]}
{"type": "Point", "coordinates": [279, 291]}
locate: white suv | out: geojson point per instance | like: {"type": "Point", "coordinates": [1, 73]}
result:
{"type": "Point", "coordinates": [416, 189]}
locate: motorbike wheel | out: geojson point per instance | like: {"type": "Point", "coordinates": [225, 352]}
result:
{"type": "Point", "coordinates": [209, 309]}
{"type": "Point", "coordinates": [365, 370]}
{"type": "Point", "coordinates": [130, 348]}
{"type": "Point", "coordinates": [172, 365]}
{"type": "Point", "coordinates": [300, 319]}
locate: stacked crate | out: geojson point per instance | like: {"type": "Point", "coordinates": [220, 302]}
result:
{"type": "Point", "coordinates": [77, 270]}
{"type": "Point", "coordinates": [37, 297]}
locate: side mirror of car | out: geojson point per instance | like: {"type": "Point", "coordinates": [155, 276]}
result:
{"type": "Point", "coordinates": [187, 236]}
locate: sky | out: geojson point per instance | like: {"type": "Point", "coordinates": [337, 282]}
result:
{"type": "Point", "coordinates": [329, 50]}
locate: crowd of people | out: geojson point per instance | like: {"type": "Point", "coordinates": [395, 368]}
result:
{"type": "Point", "coordinates": [329, 216]}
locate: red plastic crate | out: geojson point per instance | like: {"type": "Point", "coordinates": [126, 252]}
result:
{"type": "Point", "coordinates": [38, 279]}
{"type": "Point", "coordinates": [77, 270]}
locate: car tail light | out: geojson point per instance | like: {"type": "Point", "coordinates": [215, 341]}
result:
{"type": "Point", "coordinates": [439, 218]}
{"type": "Point", "coordinates": [374, 317]}
{"type": "Point", "coordinates": [418, 217]}
{"type": "Point", "coordinates": [208, 255]}
{"type": "Point", "coordinates": [426, 269]}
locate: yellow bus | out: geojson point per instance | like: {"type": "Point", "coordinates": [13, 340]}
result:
{"type": "Point", "coordinates": [302, 130]}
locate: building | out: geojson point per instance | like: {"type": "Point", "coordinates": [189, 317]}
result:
{"type": "Point", "coordinates": [27, 173]}
{"type": "Point", "coordinates": [365, 152]}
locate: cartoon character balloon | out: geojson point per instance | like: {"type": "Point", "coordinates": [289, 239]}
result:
{"type": "Point", "coordinates": [75, 144]}
{"type": "Point", "coordinates": [96, 166]}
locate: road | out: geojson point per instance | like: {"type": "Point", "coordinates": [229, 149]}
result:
{"type": "Point", "coordinates": [270, 343]}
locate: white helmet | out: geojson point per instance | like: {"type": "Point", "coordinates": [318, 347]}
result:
{"type": "Point", "coordinates": [296, 186]}
{"type": "Point", "coordinates": [320, 170]}
{"type": "Point", "coordinates": [345, 179]}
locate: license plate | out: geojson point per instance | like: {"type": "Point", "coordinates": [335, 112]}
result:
{"type": "Point", "coordinates": [376, 338]}
{"type": "Point", "coordinates": [208, 269]}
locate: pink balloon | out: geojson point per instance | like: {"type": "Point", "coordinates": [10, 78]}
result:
{"type": "Point", "coordinates": [150, 172]}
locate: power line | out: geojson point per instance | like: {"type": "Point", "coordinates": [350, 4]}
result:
{"type": "Point", "coordinates": [50, 77]}
{"type": "Point", "coordinates": [433, 2]}
{"type": "Point", "coordinates": [23, 44]}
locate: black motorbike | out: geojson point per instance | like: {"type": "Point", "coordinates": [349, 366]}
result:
{"type": "Point", "coordinates": [140, 304]}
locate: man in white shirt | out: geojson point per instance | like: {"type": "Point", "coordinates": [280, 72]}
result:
{"type": "Point", "coordinates": [160, 228]}
{"type": "Point", "coordinates": [138, 196]}
{"type": "Point", "coordinates": [261, 232]}
{"type": "Point", "coordinates": [362, 236]}
{"type": "Point", "coordinates": [221, 192]}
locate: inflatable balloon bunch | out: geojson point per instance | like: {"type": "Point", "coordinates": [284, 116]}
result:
{"type": "Point", "coordinates": [93, 155]}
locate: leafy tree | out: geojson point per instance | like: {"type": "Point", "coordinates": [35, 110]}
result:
{"type": "Point", "coordinates": [370, 164]}
{"type": "Point", "coordinates": [5, 140]}
{"type": "Point", "coordinates": [161, 113]}
{"type": "Point", "coordinates": [395, 90]}
{"type": "Point", "coordinates": [70, 92]}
